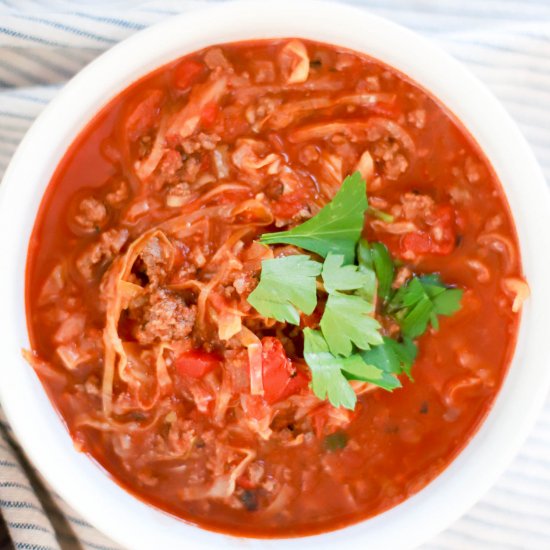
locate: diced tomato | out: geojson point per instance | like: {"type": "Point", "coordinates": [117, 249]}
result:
{"type": "Point", "coordinates": [234, 124]}
{"type": "Point", "coordinates": [441, 237]}
{"type": "Point", "coordinates": [209, 114]}
{"type": "Point", "coordinates": [443, 223]}
{"type": "Point", "coordinates": [244, 482]}
{"type": "Point", "coordinates": [281, 379]}
{"type": "Point", "coordinates": [196, 363]}
{"type": "Point", "coordinates": [186, 73]}
{"type": "Point", "coordinates": [417, 243]}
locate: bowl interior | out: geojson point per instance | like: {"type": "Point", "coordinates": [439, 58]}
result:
{"type": "Point", "coordinates": [41, 432]}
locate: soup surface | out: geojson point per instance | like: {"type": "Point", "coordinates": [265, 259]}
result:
{"type": "Point", "coordinates": [146, 252]}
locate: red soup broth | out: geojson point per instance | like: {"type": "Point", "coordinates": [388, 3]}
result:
{"type": "Point", "coordinates": [165, 193]}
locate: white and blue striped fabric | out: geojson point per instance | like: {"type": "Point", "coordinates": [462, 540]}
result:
{"type": "Point", "coordinates": [505, 42]}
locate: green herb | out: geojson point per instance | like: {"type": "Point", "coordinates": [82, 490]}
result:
{"type": "Point", "coordinates": [420, 301]}
{"type": "Point", "coordinates": [330, 373]}
{"type": "Point", "coordinates": [366, 266]}
{"type": "Point", "coordinates": [286, 285]}
{"type": "Point", "coordinates": [335, 441]}
{"type": "Point", "coordinates": [380, 214]}
{"type": "Point", "coordinates": [392, 358]}
{"type": "Point", "coordinates": [375, 258]}
{"type": "Point", "coordinates": [342, 277]}
{"type": "Point", "coordinates": [327, 370]}
{"type": "Point", "coordinates": [336, 228]}
{"type": "Point", "coordinates": [348, 320]}
{"type": "Point", "coordinates": [383, 266]}
{"type": "Point", "coordinates": [349, 344]}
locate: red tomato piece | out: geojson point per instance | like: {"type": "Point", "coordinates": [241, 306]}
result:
{"type": "Point", "coordinates": [209, 114]}
{"type": "Point", "coordinates": [196, 363]}
{"type": "Point", "coordinates": [417, 243]}
{"type": "Point", "coordinates": [281, 378]}
{"type": "Point", "coordinates": [443, 226]}
{"type": "Point", "coordinates": [244, 482]}
{"type": "Point", "coordinates": [187, 72]}
{"type": "Point", "coordinates": [441, 237]}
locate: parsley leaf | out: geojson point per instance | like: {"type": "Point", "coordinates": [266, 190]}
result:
{"type": "Point", "coordinates": [336, 228]}
{"type": "Point", "coordinates": [366, 266]}
{"type": "Point", "coordinates": [286, 285]}
{"type": "Point", "coordinates": [393, 358]}
{"type": "Point", "coordinates": [342, 277]}
{"type": "Point", "coordinates": [383, 265]}
{"type": "Point", "coordinates": [420, 301]}
{"type": "Point", "coordinates": [327, 379]}
{"type": "Point", "coordinates": [330, 373]}
{"type": "Point", "coordinates": [347, 320]}
{"type": "Point", "coordinates": [327, 370]}
{"type": "Point", "coordinates": [376, 259]}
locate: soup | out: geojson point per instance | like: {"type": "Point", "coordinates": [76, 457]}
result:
{"type": "Point", "coordinates": [273, 288]}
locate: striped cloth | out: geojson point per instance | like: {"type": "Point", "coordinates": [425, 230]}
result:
{"type": "Point", "coordinates": [505, 42]}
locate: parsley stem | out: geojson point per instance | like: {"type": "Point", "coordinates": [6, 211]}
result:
{"type": "Point", "coordinates": [380, 214]}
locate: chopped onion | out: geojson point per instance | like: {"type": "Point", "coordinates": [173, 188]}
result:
{"type": "Point", "coordinates": [229, 324]}
{"type": "Point", "coordinates": [294, 55]}
{"type": "Point", "coordinates": [72, 355]}
{"type": "Point", "coordinates": [257, 212]}
{"type": "Point", "coordinates": [70, 328]}
{"type": "Point", "coordinates": [224, 485]}
{"type": "Point", "coordinates": [136, 210]}
{"type": "Point", "coordinates": [53, 285]}
{"type": "Point", "coordinates": [519, 289]}
{"type": "Point", "coordinates": [187, 120]}
{"type": "Point", "coordinates": [281, 501]}
{"type": "Point", "coordinates": [254, 347]}
{"type": "Point", "coordinates": [220, 161]}
{"type": "Point", "coordinates": [503, 245]}
{"type": "Point", "coordinates": [365, 166]}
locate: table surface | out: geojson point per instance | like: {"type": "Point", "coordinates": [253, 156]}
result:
{"type": "Point", "coordinates": [506, 43]}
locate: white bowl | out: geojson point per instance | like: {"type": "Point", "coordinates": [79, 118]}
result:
{"type": "Point", "coordinates": [42, 433]}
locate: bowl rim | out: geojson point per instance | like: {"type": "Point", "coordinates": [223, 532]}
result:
{"type": "Point", "coordinates": [40, 430]}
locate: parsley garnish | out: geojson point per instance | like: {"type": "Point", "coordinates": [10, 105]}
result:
{"type": "Point", "coordinates": [348, 320]}
{"type": "Point", "coordinates": [342, 277]}
{"type": "Point", "coordinates": [356, 275]}
{"type": "Point", "coordinates": [328, 370]}
{"type": "Point", "coordinates": [336, 228]}
{"type": "Point", "coordinates": [419, 302]}
{"type": "Point", "coordinates": [286, 285]}
{"type": "Point", "coordinates": [383, 266]}
{"type": "Point", "coordinates": [376, 258]}
{"type": "Point", "coordinates": [393, 358]}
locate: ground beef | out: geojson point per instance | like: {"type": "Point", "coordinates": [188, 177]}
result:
{"type": "Point", "coordinates": [387, 154]}
{"type": "Point", "coordinates": [309, 154]}
{"type": "Point", "coordinates": [118, 195]}
{"type": "Point", "coordinates": [164, 317]}
{"type": "Point", "coordinates": [177, 195]}
{"type": "Point", "coordinates": [101, 253]}
{"type": "Point", "coordinates": [416, 206]}
{"type": "Point", "coordinates": [153, 262]}
{"type": "Point", "coordinates": [245, 283]}
{"type": "Point", "coordinates": [171, 162]}
{"type": "Point", "coordinates": [200, 141]}
{"type": "Point", "coordinates": [91, 214]}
